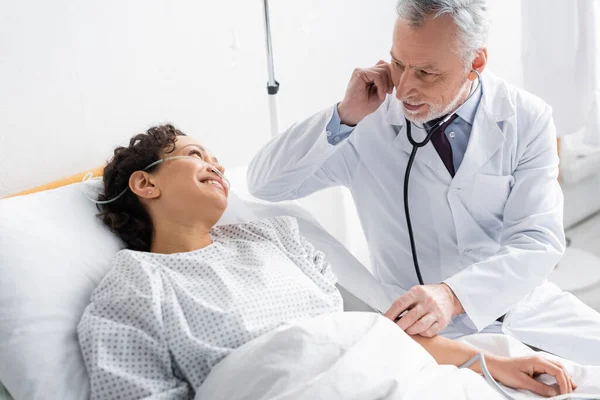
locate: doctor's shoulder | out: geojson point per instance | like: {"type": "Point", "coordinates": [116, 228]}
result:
{"type": "Point", "coordinates": [532, 118]}
{"type": "Point", "coordinates": [528, 106]}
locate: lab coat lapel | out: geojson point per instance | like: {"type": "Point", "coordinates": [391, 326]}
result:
{"type": "Point", "coordinates": [486, 136]}
{"type": "Point", "coordinates": [426, 155]}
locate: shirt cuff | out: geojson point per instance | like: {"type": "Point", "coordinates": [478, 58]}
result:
{"type": "Point", "coordinates": [336, 131]}
{"type": "Point", "coordinates": [462, 322]}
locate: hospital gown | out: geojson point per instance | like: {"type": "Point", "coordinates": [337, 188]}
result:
{"type": "Point", "coordinates": [158, 323]}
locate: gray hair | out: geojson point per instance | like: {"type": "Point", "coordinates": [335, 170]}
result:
{"type": "Point", "coordinates": [470, 16]}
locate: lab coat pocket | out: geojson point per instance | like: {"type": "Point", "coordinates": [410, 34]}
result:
{"type": "Point", "coordinates": [489, 196]}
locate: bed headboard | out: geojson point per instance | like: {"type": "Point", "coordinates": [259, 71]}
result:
{"type": "Point", "coordinates": [61, 182]}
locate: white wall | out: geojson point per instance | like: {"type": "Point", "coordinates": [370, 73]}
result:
{"type": "Point", "coordinates": [317, 44]}
{"type": "Point", "coordinates": [78, 78]}
{"type": "Point", "coordinates": [504, 44]}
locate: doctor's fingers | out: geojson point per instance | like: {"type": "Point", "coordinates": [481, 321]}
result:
{"type": "Point", "coordinates": [378, 77]}
{"type": "Point", "coordinates": [433, 330]}
{"type": "Point", "coordinates": [386, 73]}
{"type": "Point", "coordinates": [386, 69]}
{"type": "Point", "coordinates": [422, 325]}
{"type": "Point", "coordinates": [400, 305]}
{"type": "Point", "coordinates": [412, 317]}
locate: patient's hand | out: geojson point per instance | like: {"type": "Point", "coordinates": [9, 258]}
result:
{"type": "Point", "coordinates": [518, 373]}
{"type": "Point", "coordinates": [431, 309]}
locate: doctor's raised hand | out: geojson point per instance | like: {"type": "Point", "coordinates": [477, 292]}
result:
{"type": "Point", "coordinates": [429, 309]}
{"type": "Point", "coordinates": [366, 91]}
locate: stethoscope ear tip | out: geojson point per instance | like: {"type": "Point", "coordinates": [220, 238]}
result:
{"type": "Point", "coordinates": [474, 74]}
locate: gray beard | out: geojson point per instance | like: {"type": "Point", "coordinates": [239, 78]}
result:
{"type": "Point", "coordinates": [439, 111]}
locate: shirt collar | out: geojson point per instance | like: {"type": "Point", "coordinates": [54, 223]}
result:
{"type": "Point", "coordinates": [468, 111]}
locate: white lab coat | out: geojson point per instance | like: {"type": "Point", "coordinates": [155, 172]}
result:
{"type": "Point", "coordinates": [493, 233]}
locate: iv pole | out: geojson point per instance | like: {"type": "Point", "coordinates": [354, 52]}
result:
{"type": "Point", "coordinates": [272, 85]}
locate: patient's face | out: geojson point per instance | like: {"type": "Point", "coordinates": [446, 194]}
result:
{"type": "Point", "coordinates": [188, 188]}
{"type": "Point", "coordinates": [428, 73]}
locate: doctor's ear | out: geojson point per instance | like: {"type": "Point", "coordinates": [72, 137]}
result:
{"type": "Point", "coordinates": [478, 63]}
{"type": "Point", "coordinates": [141, 183]}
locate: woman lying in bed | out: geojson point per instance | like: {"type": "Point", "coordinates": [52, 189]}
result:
{"type": "Point", "coordinates": [185, 294]}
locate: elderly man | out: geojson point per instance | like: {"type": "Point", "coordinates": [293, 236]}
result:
{"type": "Point", "coordinates": [484, 199]}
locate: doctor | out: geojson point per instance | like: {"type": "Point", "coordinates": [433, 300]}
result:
{"type": "Point", "coordinates": [484, 199]}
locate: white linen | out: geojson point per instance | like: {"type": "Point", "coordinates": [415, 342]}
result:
{"type": "Point", "coordinates": [53, 253]}
{"type": "Point", "coordinates": [349, 356]}
{"type": "Point", "coordinates": [545, 320]}
{"type": "Point", "coordinates": [362, 356]}
{"type": "Point", "coordinates": [177, 315]}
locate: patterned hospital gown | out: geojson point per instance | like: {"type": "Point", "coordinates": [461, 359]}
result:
{"type": "Point", "coordinates": [158, 323]}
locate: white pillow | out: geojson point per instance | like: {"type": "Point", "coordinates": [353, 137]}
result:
{"type": "Point", "coordinates": [53, 254]}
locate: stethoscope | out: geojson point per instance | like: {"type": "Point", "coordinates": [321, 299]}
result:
{"type": "Point", "coordinates": [416, 145]}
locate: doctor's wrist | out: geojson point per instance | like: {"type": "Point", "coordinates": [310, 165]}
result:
{"type": "Point", "coordinates": [345, 118]}
{"type": "Point", "coordinates": [457, 307]}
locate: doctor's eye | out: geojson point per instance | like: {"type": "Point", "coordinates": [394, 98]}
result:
{"type": "Point", "coordinates": [399, 66]}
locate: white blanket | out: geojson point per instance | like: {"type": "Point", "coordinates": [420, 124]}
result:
{"type": "Point", "coordinates": [338, 356]}
{"type": "Point", "coordinates": [355, 355]}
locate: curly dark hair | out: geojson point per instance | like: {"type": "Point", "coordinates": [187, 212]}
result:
{"type": "Point", "coordinates": [127, 216]}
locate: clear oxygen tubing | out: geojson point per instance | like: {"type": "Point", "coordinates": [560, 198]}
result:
{"type": "Point", "coordinates": [89, 175]}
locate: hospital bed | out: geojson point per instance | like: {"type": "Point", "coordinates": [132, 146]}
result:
{"type": "Point", "coordinates": [54, 252]}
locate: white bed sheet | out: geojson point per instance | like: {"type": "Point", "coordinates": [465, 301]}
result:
{"type": "Point", "coordinates": [358, 355]}
{"type": "Point", "coordinates": [347, 356]}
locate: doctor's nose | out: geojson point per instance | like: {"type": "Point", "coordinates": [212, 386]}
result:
{"type": "Point", "coordinates": [405, 85]}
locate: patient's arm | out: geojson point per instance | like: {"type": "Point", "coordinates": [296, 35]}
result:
{"type": "Point", "coordinates": [449, 352]}
{"type": "Point", "coordinates": [517, 373]}
{"type": "Point", "coordinates": [123, 343]}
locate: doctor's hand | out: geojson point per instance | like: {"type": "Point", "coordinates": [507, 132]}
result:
{"type": "Point", "coordinates": [365, 92]}
{"type": "Point", "coordinates": [519, 373]}
{"type": "Point", "coordinates": [430, 309]}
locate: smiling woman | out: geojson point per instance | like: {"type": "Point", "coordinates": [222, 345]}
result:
{"type": "Point", "coordinates": [163, 177]}
{"type": "Point", "coordinates": [185, 293]}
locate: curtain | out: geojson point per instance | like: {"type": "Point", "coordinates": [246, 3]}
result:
{"type": "Point", "coordinates": [561, 62]}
